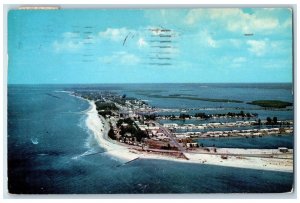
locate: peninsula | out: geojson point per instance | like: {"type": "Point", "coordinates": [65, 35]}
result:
{"type": "Point", "coordinates": [129, 129]}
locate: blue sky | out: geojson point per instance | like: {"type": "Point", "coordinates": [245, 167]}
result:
{"type": "Point", "coordinates": [150, 46]}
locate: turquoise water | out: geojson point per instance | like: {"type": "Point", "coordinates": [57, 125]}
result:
{"type": "Point", "coordinates": [47, 141]}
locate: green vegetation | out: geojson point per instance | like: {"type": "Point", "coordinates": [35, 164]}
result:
{"type": "Point", "coordinates": [184, 116]}
{"type": "Point", "coordinates": [127, 121]}
{"type": "Point", "coordinates": [273, 121]}
{"type": "Point", "coordinates": [106, 106]}
{"type": "Point", "coordinates": [202, 115]}
{"type": "Point", "coordinates": [177, 96]}
{"type": "Point", "coordinates": [229, 114]}
{"type": "Point", "coordinates": [104, 113]}
{"type": "Point", "coordinates": [271, 103]}
{"type": "Point", "coordinates": [150, 117]}
{"type": "Point", "coordinates": [111, 133]}
{"type": "Point", "coordinates": [132, 129]}
{"type": "Point", "coordinates": [120, 101]}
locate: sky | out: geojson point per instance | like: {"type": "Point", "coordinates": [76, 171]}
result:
{"type": "Point", "coordinates": [204, 45]}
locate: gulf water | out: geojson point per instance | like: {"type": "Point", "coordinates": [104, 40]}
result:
{"type": "Point", "coordinates": [48, 142]}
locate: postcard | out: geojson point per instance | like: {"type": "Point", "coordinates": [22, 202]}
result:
{"type": "Point", "coordinates": [150, 101]}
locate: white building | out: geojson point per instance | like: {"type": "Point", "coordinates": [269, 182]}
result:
{"type": "Point", "coordinates": [170, 125]}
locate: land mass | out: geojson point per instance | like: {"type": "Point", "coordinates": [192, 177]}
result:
{"type": "Point", "coordinates": [127, 129]}
{"type": "Point", "coordinates": [271, 103]}
{"type": "Point", "coordinates": [180, 96]}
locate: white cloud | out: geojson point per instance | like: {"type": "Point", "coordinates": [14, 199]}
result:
{"type": "Point", "coordinates": [115, 34]}
{"type": "Point", "coordinates": [233, 19]}
{"type": "Point", "coordinates": [250, 24]}
{"type": "Point", "coordinates": [70, 42]}
{"type": "Point", "coordinates": [211, 42]}
{"type": "Point", "coordinates": [258, 47]}
{"type": "Point", "coordinates": [194, 15]}
{"type": "Point", "coordinates": [142, 43]}
{"type": "Point", "coordinates": [206, 39]}
{"type": "Point", "coordinates": [122, 58]}
{"type": "Point", "coordinates": [70, 35]}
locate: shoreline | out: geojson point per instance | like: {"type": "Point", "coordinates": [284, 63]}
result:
{"type": "Point", "coordinates": [99, 127]}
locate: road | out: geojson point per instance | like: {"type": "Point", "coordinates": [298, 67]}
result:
{"type": "Point", "coordinates": [170, 135]}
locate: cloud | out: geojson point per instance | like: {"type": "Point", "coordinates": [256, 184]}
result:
{"type": "Point", "coordinates": [165, 17]}
{"type": "Point", "coordinates": [211, 42]}
{"type": "Point", "coordinates": [115, 34]}
{"type": "Point", "coordinates": [233, 19]}
{"type": "Point", "coordinates": [206, 39]}
{"type": "Point", "coordinates": [250, 24]}
{"type": "Point", "coordinates": [121, 34]}
{"type": "Point", "coordinates": [122, 58]}
{"type": "Point", "coordinates": [258, 47]}
{"type": "Point", "coordinates": [70, 42]}
{"type": "Point", "coordinates": [142, 43]}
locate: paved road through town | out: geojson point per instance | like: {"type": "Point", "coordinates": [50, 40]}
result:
{"type": "Point", "coordinates": [170, 135]}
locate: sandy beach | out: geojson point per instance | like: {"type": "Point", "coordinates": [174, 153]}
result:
{"type": "Point", "coordinates": [99, 126]}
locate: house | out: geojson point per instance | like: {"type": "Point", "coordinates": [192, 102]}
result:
{"type": "Point", "coordinates": [170, 125]}
{"type": "Point", "coordinates": [193, 144]}
{"type": "Point", "coordinates": [153, 127]}
{"type": "Point", "coordinates": [180, 136]}
{"type": "Point", "coordinates": [127, 134]}
{"type": "Point", "coordinates": [124, 124]}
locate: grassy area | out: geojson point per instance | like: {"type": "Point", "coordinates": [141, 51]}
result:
{"type": "Point", "coordinates": [271, 103]}
{"type": "Point", "coordinates": [193, 98]}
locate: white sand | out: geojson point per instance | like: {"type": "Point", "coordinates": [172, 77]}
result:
{"type": "Point", "coordinates": [99, 126]}
{"type": "Point", "coordinates": [273, 164]}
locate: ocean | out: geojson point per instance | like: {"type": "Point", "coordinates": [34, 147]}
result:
{"type": "Point", "coordinates": [48, 142]}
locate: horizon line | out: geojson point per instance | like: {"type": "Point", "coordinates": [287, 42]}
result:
{"type": "Point", "coordinates": [150, 83]}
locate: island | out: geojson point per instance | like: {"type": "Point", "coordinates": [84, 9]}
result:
{"type": "Point", "coordinates": [271, 103]}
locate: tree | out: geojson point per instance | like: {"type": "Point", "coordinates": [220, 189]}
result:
{"type": "Point", "coordinates": [259, 121]}
{"type": "Point", "coordinates": [275, 120]}
{"type": "Point", "coordinates": [269, 120]}
{"type": "Point", "coordinates": [242, 113]}
{"type": "Point", "coordinates": [111, 133]}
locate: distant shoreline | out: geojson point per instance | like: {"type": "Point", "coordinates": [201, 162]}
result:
{"type": "Point", "coordinates": [151, 83]}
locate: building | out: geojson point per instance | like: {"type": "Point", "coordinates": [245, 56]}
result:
{"type": "Point", "coordinates": [170, 125]}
